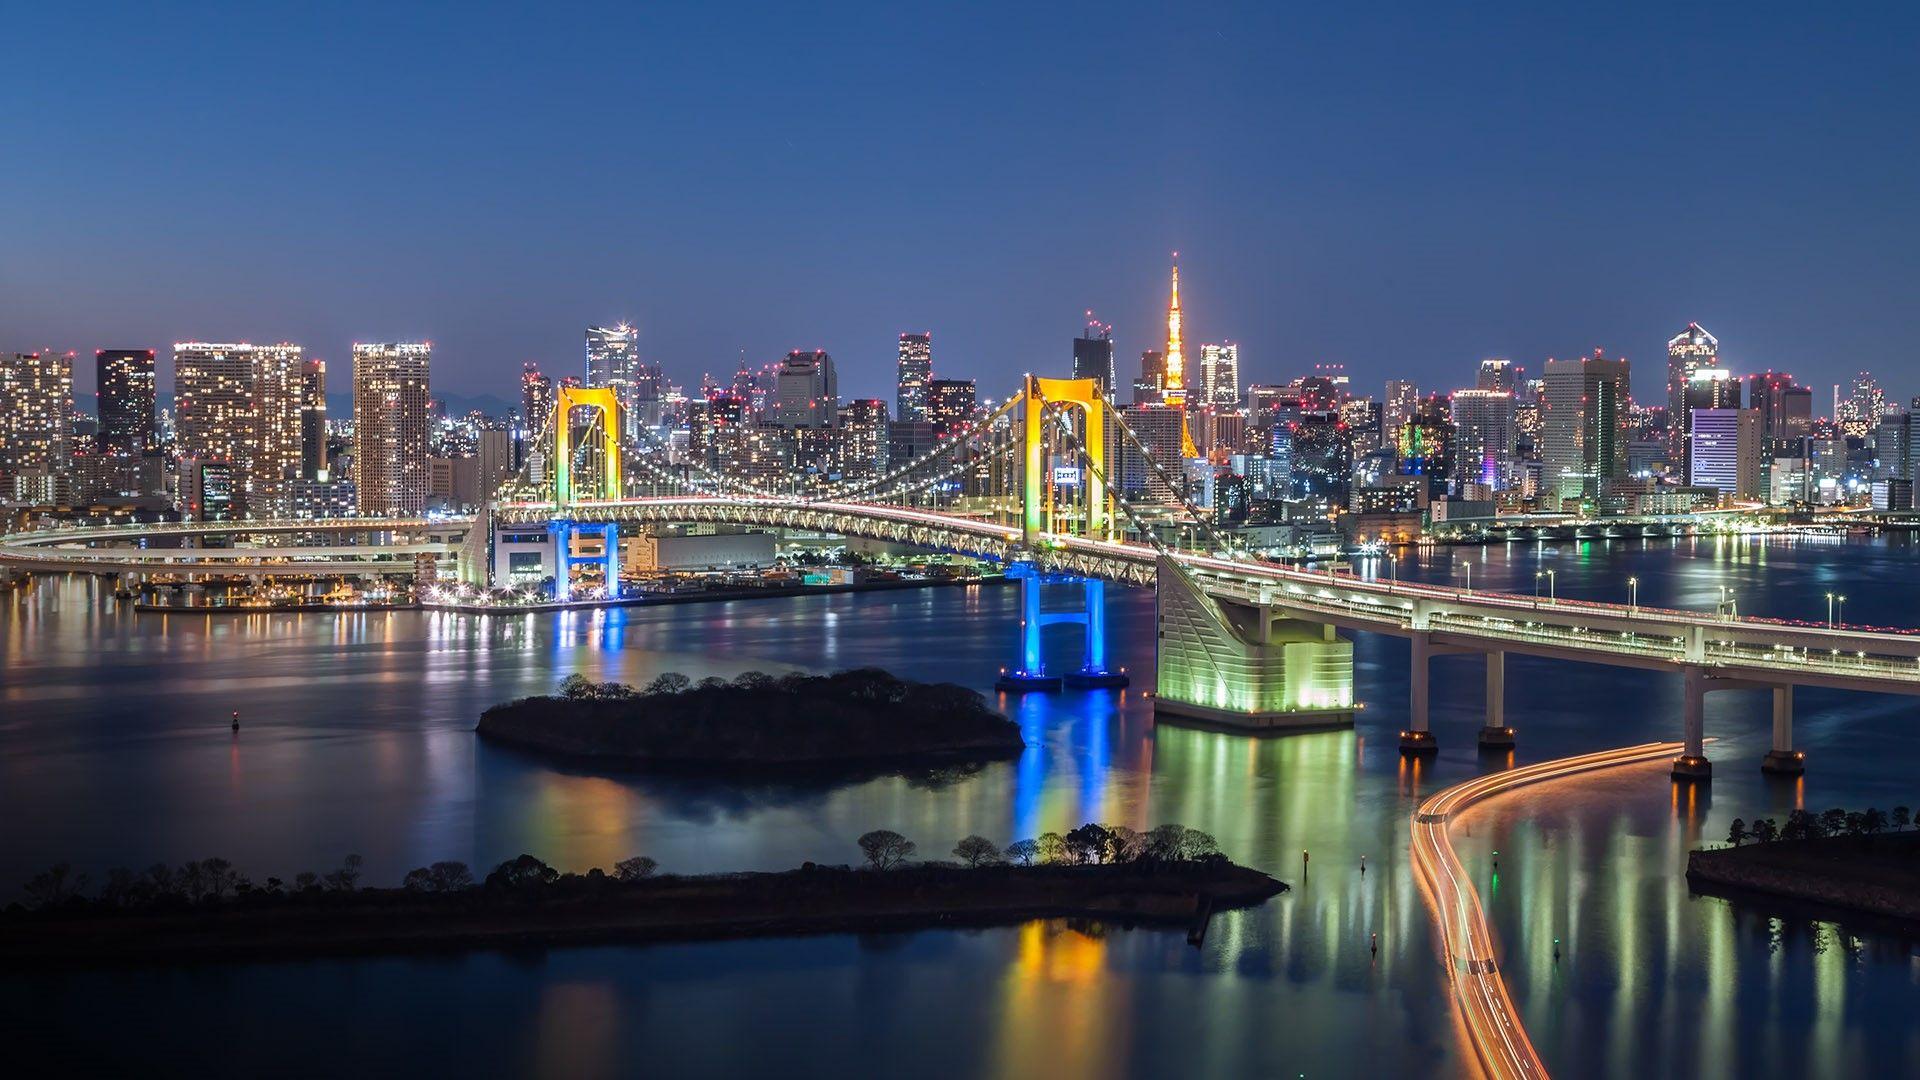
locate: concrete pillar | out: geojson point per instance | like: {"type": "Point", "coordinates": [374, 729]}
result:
{"type": "Point", "coordinates": [612, 556]}
{"type": "Point", "coordinates": [1783, 758]}
{"type": "Point", "coordinates": [1417, 739]}
{"type": "Point", "coordinates": [1495, 734]}
{"type": "Point", "coordinates": [1692, 764]}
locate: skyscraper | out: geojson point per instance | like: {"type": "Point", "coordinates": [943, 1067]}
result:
{"type": "Point", "coordinates": [807, 392]}
{"type": "Point", "coordinates": [1726, 450]}
{"type": "Point", "coordinates": [1150, 387]}
{"type": "Point", "coordinates": [1220, 374]}
{"type": "Point", "coordinates": [1093, 356]}
{"type": "Point", "coordinates": [914, 373]}
{"type": "Point", "coordinates": [390, 391]}
{"type": "Point", "coordinates": [951, 404]}
{"type": "Point", "coordinates": [1483, 437]}
{"type": "Point", "coordinates": [240, 404]}
{"type": "Point", "coordinates": [536, 399]}
{"type": "Point", "coordinates": [1396, 411]}
{"type": "Point", "coordinates": [1687, 352]}
{"type": "Point", "coordinates": [1498, 373]}
{"type": "Point", "coordinates": [1586, 432]}
{"type": "Point", "coordinates": [1786, 409]}
{"type": "Point", "coordinates": [36, 400]}
{"type": "Point", "coordinates": [125, 382]}
{"type": "Point", "coordinates": [313, 420]}
{"type": "Point", "coordinates": [613, 360]}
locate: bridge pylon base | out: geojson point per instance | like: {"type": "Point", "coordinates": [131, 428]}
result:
{"type": "Point", "coordinates": [1418, 743]}
{"type": "Point", "coordinates": [1024, 682]}
{"type": "Point", "coordinates": [1692, 769]}
{"type": "Point", "coordinates": [1784, 763]}
{"type": "Point", "coordinates": [1096, 680]}
{"type": "Point", "coordinates": [1496, 738]}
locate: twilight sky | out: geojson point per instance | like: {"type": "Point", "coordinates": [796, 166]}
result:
{"type": "Point", "coordinates": [1400, 188]}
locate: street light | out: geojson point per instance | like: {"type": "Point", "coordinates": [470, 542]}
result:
{"type": "Point", "coordinates": [1467, 568]}
{"type": "Point", "coordinates": [1829, 611]}
{"type": "Point", "coordinates": [1551, 598]}
{"type": "Point", "coordinates": [1633, 594]}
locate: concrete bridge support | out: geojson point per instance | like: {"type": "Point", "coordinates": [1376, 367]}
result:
{"type": "Point", "coordinates": [1495, 734]}
{"type": "Point", "coordinates": [1418, 737]}
{"type": "Point", "coordinates": [1692, 764]}
{"type": "Point", "coordinates": [1783, 759]}
{"type": "Point", "coordinates": [1247, 666]}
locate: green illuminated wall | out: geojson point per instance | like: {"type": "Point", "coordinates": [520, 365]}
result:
{"type": "Point", "coordinates": [1235, 664]}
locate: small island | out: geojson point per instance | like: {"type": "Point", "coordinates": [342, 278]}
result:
{"type": "Point", "coordinates": [207, 911]}
{"type": "Point", "coordinates": [863, 717]}
{"type": "Point", "coordinates": [1831, 864]}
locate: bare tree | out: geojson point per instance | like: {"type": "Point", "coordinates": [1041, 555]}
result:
{"type": "Point", "coordinates": [1022, 852]}
{"type": "Point", "coordinates": [345, 878]}
{"type": "Point", "coordinates": [55, 885]}
{"type": "Point", "coordinates": [638, 868]}
{"type": "Point", "coordinates": [668, 682]}
{"type": "Point", "coordinates": [1053, 847]}
{"type": "Point", "coordinates": [886, 849]}
{"type": "Point", "coordinates": [976, 850]}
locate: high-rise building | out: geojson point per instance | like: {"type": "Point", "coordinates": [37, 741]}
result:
{"type": "Point", "coordinates": [36, 406]}
{"type": "Point", "coordinates": [1585, 421]}
{"type": "Point", "coordinates": [914, 373]}
{"type": "Point", "coordinates": [613, 360]}
{"type": "Point", "coordinates": [1687, 352]}
{"type": "Point", "coordinates": [126, 392]}
{"type": "Point", "coordinates": [861, 450]}
{"type": "Point", "coordinates": [1174, 386]}
{"type": "Point", "coordinates": [1498, 373]}
{"type": "Point", "coordinates": [1159, 429]}
{"type": "Point", "coordinates": [1726, 451]}
{"type": "Point", "coordinates": [951, 405]}
{"type": "Point", "coordinates": [240, 404]}
{"type": "Point", "coordinates": [495, 461]}
{"type": "Point", "coordinates": [1709, 388]}
{"type": "Point", "coordinates": [1093, 356]}
{"type": "Point", "coordinates": [313, 420]}
{"type": "Point", "coordinates": [390, 392]}
{"type": "Point", "coordinates": [807, 392]}
{"type": "Point", "coordinates": [1396, 410]}
{"type": "Point", "coordinates": [1483, 437]}
{"type": "Point", "coordinates": [1786, 409]}
{"type": "Point", "coordinates": [536, 399]}
{"type": "Point", "coordinates": [1150, 388]}
{"type": "Point", "coordinates": [1220, 374]}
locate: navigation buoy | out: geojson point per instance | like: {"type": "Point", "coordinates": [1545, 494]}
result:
{"type": "Point", "coordinates": [236, 720]}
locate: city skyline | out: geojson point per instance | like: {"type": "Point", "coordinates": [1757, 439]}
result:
{"type": "Point", "coordinates": [1552, 238]}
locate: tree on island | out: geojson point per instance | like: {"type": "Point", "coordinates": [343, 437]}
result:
{"type": "Point", "coordinates": [54, 886]}
{"type": "Point", "coordinates": [638, 868]}
{"type": "Point", "coordinates": [1052, 847]}
{"type": "Point", "coordinates": [886, 849]}
{"type": "Point", "coordinates": [668, 682]}
{"type": "Point", "coordinates": [1764, 831]}
{"type": "Point", "coordinates": [1737, 832]}
{"type": "Point", "coordinates": [344, 879]}
{"type": "Point", "coordinates": [1088, 844]}
{"type": "Point", "coordinates": [521, 872]}
{"type": "Point", "coordinates": [1899, 818]}
{"type": "Point", "coordinates": [976, 851]}
{"type": "Point", "coordinates": [1022, 852]}
{"type": "Point", "coordinates": [446, 876]}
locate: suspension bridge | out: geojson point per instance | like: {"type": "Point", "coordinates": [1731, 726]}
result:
{"type": "Point", "coordinates": [1055, 485]}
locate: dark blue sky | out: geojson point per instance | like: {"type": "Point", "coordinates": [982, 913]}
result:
{"type": "Point", "coordinates": [1400, 188]}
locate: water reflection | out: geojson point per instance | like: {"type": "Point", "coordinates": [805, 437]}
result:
{"type": "Point", "coordinates": [357, 737]}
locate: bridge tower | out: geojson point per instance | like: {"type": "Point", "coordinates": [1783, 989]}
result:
{"type": "Point", "coordinates": [1093, 673]}
{"type": "Point", "coordinates": [1036, 493]}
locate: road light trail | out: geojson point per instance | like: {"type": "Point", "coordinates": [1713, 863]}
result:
{"type": "Point", "coordinates": [1485, 1010]}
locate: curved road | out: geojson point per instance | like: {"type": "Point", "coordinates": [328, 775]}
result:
{"type": "Point", "coordinates": [1486, 1012]}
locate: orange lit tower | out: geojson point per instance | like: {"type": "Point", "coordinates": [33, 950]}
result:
{"type": "Point", "coordinates": [1174, 395]}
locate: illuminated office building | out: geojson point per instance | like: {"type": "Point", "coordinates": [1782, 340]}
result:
{"type": "Point", "coordinates": [807, 392]}
{"type": "Point", "coordinates": [1483, 438]}
{"type": "Point", "coordinates": [1687, 352]}
{"type": "Point", "coordinates": [239, 404]}
{"type": "Point", "coordinates": [1586, 432]}
{"type": "Point", "coordinates": [951, 406]}
{"type": "Point", "coordinates": [914, 373]}
{"type": "Point", "coordinates": [1726, 451]}
{"type": "Point", "coordinates": [313, 420]}
{"type": "Point", "coordinates": [36, 403]}
{"type": "Point", "coordinates": [126, 392]}
{"type": "Point", "coordinates": [613, 360]}
{"type": "Point", "coordinates": [1093, 356]}
{"type": "Point", "coordinates": [1498, 373]}
{"type": "Point", "coordinates": [1220, 375]}
{"type": "Point", "coordinates": [390, 394]}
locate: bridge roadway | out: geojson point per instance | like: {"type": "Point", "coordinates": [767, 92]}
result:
{"type": "Point", "coordinates": [1754, 649]}
{"type": "Point", "coordinates": [111, 549]}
